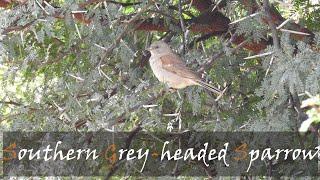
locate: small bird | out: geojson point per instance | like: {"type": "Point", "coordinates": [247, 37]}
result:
{"type": "Point", "coordinates": [169, 68]}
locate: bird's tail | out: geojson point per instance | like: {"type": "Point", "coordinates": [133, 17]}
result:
{"type": "Point", "coordinates": [209, 87]}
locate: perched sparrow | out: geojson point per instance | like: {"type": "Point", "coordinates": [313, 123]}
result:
{"type": "Point", "coordinates": [169, 68]}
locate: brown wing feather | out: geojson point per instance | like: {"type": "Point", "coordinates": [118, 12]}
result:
{"type": "Point", "coordinates": [174, 64]}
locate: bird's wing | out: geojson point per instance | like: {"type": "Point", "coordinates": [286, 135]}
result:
{"type": "Point", "coordinates": [174, 64]}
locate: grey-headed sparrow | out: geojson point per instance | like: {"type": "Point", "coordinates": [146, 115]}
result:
{"type": "Point", "coordinates": [169, 68]}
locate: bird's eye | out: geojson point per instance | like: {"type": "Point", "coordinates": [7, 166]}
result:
{"type": "Point", "coordinates": [156, 47]}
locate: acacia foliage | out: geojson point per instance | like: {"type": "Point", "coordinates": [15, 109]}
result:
{"type": "Point", "coordinates": [69, 65]}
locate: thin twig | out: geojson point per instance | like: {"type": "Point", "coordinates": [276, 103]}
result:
{"type": "Point", "coordinates": [42, 7]}
{"type": "Point", "coordinates": [259, 55]}
{"type": "Point", "coordinates": [17, 28]}
{"type": "Point", "coordinates": [150, 106]}
{"type": "Point", "coordinates": [270, 63]}
{"type": "Point", "coordinates": [183, 28]}
{"type": "Point", "coordinates": [211, 173]}
{"type": "Point", "coordinates": [77, 28]}
{"type": "Point", "coordinates": [89, 2]}
{"type": "Point", "coordinates": [244, 18]}
{"type": "Point", "coordinates": [295, 32]}
{"type": "Point", "coordinates": [49, 5]}
{"type": "Point", "coordinates": [286, 21]}
{"type": "Point", "coordinates": [221, 94]}
{"type": "Point", "coordinates": [76, 77]}
{"type": "Point", "coordinates": [126, 30]}
{"type": "Point", "coordinates": [138, 105]}
{"type": "Point", "coordinates": [11, 103]}
{"type": "Point", "coordinates": [215, 6]}
{"type": "Point", "coordinates": [77, 12]}
{"type": "Point", "coordinates": [220, 54]}
{"type": "Point", "coordinates": [198, 39]}
{"type": "Point", "coordinates": [171, 115]}
{"type": "Point", "coordinates": [128, 141]}
{"type": "Point", "coordinates": [100, 46]}
{"type": "Point", "coordinates": [276, 40]}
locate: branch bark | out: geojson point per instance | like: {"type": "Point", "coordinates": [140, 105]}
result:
{"type": "Point", "coordinates": [208, 22]}
{"type": "Point", "coordinates": [269, 19]}
{"type": "Point", "coordinates": [129, 140]}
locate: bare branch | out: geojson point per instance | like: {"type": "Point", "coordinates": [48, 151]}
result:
{"type": "Point", "coordinates": [183, 28]}
{"type": "Point", "coordinates": [276, 41]}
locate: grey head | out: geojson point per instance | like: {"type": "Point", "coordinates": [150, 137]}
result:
{"type": "Point", "coordinates": [159, 47]}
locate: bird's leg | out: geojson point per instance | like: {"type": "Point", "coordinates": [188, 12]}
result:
{"type": "Point", "coordinates": [178, 112]}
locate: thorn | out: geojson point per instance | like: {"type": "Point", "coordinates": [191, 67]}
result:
{"type": "Point", "coordinates": [76, 77]}
{"type": "Point", "coordinates": [171, 115]}
{"type": "Point", "coordinates": [259, 55]}
{"type": "Point", "coordinates": [295, 32]}
{"type": "Point", "coordinates": [286, 21]}
{"type": "Point", "coordinates": [179, 95]}
{"type": "Point", "coordinates": [244, 18]}
{"type": "Point", "coordinates": [221, 94]}
{"type": "Point", "coordinates": [150, 106]}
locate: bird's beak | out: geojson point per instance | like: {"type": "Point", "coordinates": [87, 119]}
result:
{"type": "Point", "coordinates": [149, 48]}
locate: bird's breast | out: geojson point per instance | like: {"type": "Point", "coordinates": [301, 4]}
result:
{"type": "Point", "coordinates": [157, 69]}
{"type": "Point", "coordinates": [172, 79]}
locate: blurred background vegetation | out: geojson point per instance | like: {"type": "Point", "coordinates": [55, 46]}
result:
{"type": "Point", "coordinates": [82, 65]}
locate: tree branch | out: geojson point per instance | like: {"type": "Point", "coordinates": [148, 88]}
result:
{"type": "Point", "coordinates": [182, 25]}
{"type": "Point", "coordinates": [126, 30]}
{"type": "Point", "coordinates": [89, 2]}
{"type": "Point", "coordinates": [207, 22]}
{"type": "Point", "coordinates": [120, 118]}
{"type": "Point", "coordinates": [276, 41]}
{"type": "Point", "coordinates": [129, 140]}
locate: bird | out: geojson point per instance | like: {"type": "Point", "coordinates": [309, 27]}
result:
{"type": "Point", "coordinates": [169, 68]}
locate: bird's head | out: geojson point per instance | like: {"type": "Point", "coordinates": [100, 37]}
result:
{"type": "Point", "coordinates": [159, 47]}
